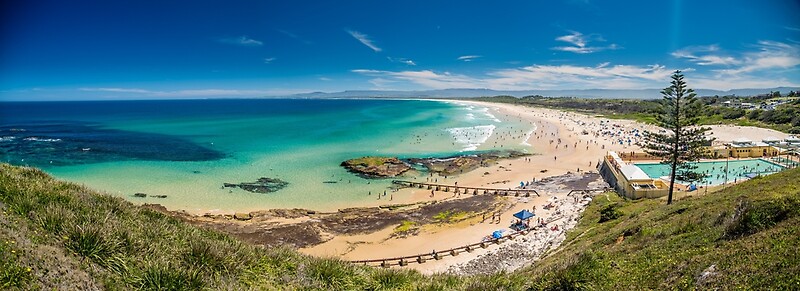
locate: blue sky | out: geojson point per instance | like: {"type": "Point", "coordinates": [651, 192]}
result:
{"type": "Point", "coordinates": [67, 50]}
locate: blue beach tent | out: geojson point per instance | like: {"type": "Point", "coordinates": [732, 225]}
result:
{"type": "Point", "coordinates": [524, 214]}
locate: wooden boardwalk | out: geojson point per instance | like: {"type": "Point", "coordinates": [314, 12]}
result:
{"type": "Point", "coordinates": [438, 255]}
{"type": "Point", "coordinates": [468, 189]}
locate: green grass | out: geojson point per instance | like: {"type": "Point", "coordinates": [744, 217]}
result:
{"type": "Point", "coordinates": [12, 274]}
{"type": "Point", "coordinates": [57, 235]}
{"type": "Point", "coordinates": [449, 216]}
{"type": "Point", "coordinates": [405, 226]}
{"type": "Point", "coordinates": [750, 232]}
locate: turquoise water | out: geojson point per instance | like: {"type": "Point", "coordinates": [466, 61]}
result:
{"type": "Point", "coordinates": [187, 149]}
{"type": "Point", "coordinates": [737, 169]}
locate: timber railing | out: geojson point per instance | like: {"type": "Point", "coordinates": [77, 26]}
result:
{"type": "Point", "coordinates": [467, 189]}
{"type": "Point", "coordinates": [438, 255]}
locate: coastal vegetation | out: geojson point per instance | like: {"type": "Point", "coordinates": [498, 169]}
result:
{"type": "Point", "coordinates": [784, 117]}
{"type": "Point", "coordinates": [59, 235]}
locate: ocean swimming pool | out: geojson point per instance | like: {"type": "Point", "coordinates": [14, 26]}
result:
{"type": "Point", "coordinates": [737, 169]}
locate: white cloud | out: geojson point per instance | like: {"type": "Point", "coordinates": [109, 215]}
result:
{"type": "Point", "coordinates": [116, 90]}
{"type": "Point", "coordinates": [771, 55]}
{"type": "Point", "coordinates": [402, 60]}
{"type": "Point", "coordinates": [538, 77]}
{"type": "Point", "coordinates": [705, 55]}
{"type": "Point", "coordinates": [242, 40]}
{"type": "Point", "coordinates": [766, 65]}
{"type": "Point", "coordinates": [269, 60]}
{"type": "Point", "coordinates": [381, 83]}
{"type": "Point", "coordinates": [580, 77]}
{"type": "Point", "coordinates": [293, 35]}
{"type": "Point", "coordinates": [364, 39]}
{"type": "Point", "coordinates": [738, 82]}
{"type": "Point", "coordinates": [468, 58]}
{"type": "Point", "coordinates": [580, 43]}
{"type": "Point", "coordinates": [425, 78]}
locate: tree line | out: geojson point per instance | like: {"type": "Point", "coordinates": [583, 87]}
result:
{"type": "Point", "coordinates": [785, 117]}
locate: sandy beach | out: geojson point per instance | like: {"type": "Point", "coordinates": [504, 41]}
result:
{"type": "Point", "coordinates": [563, 143]}
{"type": "Point", "coordinates": [565, 147]}
{"type": "Point", "coordinates": [560, 148]}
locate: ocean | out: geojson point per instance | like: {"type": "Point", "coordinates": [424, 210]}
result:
{"type": "Point", "coordinates": [187, 149]}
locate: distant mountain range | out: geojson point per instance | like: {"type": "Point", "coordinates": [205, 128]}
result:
{"type": "Point", "coordinates": [586, 93]}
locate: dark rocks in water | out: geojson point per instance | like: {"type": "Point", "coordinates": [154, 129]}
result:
{"type": "Point", "coordinates": [330, 182]}
{"type": "Point", "coordinates": [374, 167]}
{"type": "Point", "coordinates": [263, 185]}
{"type": "Point", "coordinates": [465, 163]}
{"type": "Point", "coordinates": [48, 144]}
{"type": "Point", "coordinates": [196, 172]}
{"type": "Point", "coordinates": [159, 196]}
{"type": "Point", "coordinates": [142, 195]}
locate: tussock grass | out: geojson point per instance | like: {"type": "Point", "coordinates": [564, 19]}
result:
{"type": "Point", "coordinates": [158, 277]}
{"type": "Point", "coordinates": [749, 232]}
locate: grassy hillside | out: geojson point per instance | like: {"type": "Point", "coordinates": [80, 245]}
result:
{"type": "Point", "coordinates": [60, 235]}
{"type": "Point", "coordinates": [750, 233]}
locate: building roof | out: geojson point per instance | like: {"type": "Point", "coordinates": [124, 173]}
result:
{"type": "Point", "coordinates": [771, 139]}
{"type": "Point", "coordinates": [632, 172]}
{"type": "Point", "coordinates": [616, 158]}
{"type": "Point", "coordinates": [742, 140]}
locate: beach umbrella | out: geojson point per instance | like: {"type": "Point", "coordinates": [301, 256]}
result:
{"type": "Point", "coordinates": [524, 214]}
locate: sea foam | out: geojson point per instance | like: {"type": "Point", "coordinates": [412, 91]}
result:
{"type": "Point", "coordinates": [471, 137]}
{"type": "Point", "coordinates": [528, 136]}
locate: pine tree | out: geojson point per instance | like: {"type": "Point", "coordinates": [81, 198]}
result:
{"type": "Point", "coordinates": [682, 141]}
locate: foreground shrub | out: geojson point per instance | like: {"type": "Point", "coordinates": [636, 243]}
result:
{"type": "Point", "coordinates": [750, 218]}
{"type": "Point", "coordinates": [610, 212]}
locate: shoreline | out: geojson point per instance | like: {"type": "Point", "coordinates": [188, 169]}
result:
{"type": "Point", "coordinates": [562, 143]}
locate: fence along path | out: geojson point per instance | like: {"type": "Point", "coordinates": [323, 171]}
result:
{"type": "Point", "coordinates": [438, 255]}
{"type": "Point", "coordinates": [467, 189]}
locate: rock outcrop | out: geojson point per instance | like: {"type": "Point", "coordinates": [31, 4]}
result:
{"type": "Point", "coordinates": [263, 185]}
{"type": "Point", "coordinates": [465, 163]}
{"type": "Point", "coordinates": [373, 167]}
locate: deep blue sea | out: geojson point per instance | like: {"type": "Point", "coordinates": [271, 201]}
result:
{"type": "Point", "coordinates": [186, 149]}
